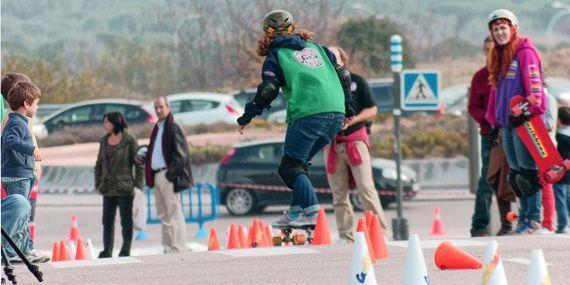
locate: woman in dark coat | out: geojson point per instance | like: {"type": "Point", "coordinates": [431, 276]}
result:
{"type": "Point", "coordinates": [114, 180]}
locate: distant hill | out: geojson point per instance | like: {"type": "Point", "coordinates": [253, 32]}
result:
{"type": "Point", "coordinates": [48, 27]}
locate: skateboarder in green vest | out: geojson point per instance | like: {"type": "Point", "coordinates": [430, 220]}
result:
{"type": "Point", "coordinates": [318, 95]}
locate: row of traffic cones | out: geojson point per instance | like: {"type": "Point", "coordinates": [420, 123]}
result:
{"type": "Point", "coordinates": [447, 256]}
{"type": "Point", "coordinates": [260, 235]}
{"type": "Point", "coordinates": [65, 251]}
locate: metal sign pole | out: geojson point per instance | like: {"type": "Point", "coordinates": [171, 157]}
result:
{"type": "Point", "coordinates": [399, 224]}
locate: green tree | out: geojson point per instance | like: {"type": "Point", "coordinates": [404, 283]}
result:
{"type": "Point", "coordinates": [367, 42]}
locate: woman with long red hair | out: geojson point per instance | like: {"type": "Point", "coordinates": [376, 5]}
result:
{"type": "Point", "coordinates": [515, 69]}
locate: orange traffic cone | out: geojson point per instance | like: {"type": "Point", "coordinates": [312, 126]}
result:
{"type": "Point", "coordinates": [242, 237]}
{"type": "Point", "coordinates": [233, 240]}
{"type": "Point", "coordinates": [213, 242]}
{"type": "Point", "coordinates": [268, 236]}
{"type": "Point", "coordinates": [362, 228]}
{"type": "Point", "coordinates": [62, 254]}
{"type": "Point", "coordinates": [322, 230]}
{"type": "Point", "coordinates": [449, 256]}
{"type": "Point", "coordinates": [55, 252]}
{"type": "Point", "coordinates": [369, 216]}
{"type": "Point", "coordinates": [377, 239]}
{"type": "Point", "coordinates": [74, 232]}
{"type": "Point", "coordinates": [261, 234]}
{"type": "Point", "coordinates": [80, 254]}
{"type": "Point", "coordinates": [437, 227]}
{"type": "Point", "coordinates": [255, 237]}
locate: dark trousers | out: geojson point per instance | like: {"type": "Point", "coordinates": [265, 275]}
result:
{"type": "Point", "coordinates": [484, 195]}
{"type": "Point", "coordinates": [110, 204]}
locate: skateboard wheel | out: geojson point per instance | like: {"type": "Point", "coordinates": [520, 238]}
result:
{"type": "Point", "coordinates": [512, 216]}
{"type": "Point", "coordinates": [277, 241]}
{"type": "Point", "coordinates": [551, 175]}
{"type": "Point", "coordinates": [566, 164]}
{"type": "Point", "coordinates": [516, 111]}
{"type": "Point", "coordinates": [533, 100]}
{"type": "Point", "coordinates": [299, 239]}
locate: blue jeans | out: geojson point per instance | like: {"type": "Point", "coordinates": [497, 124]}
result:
{"type": "Point", "coordinates": [519, 159]}
{"type": "Point", "coordinates": [22, 187]}
{"type": "Point", "coordinates": [15, 217]}
{"type": "Point", "coordinates": [560, 199]}
{"type": "Point", "coordinates": [305, 137]}
{"type": "Point", "coordinates": [484, 196]}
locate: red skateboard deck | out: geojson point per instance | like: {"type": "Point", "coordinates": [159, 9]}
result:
{"type": "Point", "coordinates": [534, 135]}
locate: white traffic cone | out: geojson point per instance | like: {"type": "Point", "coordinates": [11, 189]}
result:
{"type": "Point", "coordinates": [538, 274]}
{"type": "Point", "coordinates": [90, 252]}
{"type": "Point", "coordinates": [361, 269]}
{"type": "Point", "coordinates": [493, 266]}
{"type": "Point", "coordinates": [415, 271]}
{"type": "Point", "coordinates": [71, 249]}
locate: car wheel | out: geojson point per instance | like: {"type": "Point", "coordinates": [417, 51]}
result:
{"type": "Point", "coordinates": [356, 202]}
{"type": "Point", "coordinates": [240, 202]}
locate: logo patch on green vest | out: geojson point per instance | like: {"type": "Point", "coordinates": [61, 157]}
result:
{"type": "Point", "coordinates": [309, 57]}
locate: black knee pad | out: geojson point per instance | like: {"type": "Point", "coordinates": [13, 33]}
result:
{"type": "Point", "coordinates": [511, 178]}
{"type": "Point", "coordinates": [290, 168]}
{"type": "Point", "coordinates": [528, 183]}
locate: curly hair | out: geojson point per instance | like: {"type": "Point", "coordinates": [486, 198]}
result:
{"type": "Point", "coordinates": [265, 41]}
{"type": "Point", "coordinates": [501, 57]}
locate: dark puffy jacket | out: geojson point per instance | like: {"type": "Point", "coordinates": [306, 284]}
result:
{"type": "Point", "coordinates": [118, 179]}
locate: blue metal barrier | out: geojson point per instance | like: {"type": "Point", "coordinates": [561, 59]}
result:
{"type": "Point", "coordinates": [193, 207]}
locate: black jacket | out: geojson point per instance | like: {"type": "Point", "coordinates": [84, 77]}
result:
{"type": "Point", "coordinates": [176, 156]}
{"type": "Point", "coordinates": [564, 150]}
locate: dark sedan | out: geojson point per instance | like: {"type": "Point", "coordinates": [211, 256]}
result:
{"type": "Point", "coordinates": [248, 181]}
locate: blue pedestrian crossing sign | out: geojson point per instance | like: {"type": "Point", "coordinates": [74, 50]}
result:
{"type": "Point", "coordinates": [419, 90]}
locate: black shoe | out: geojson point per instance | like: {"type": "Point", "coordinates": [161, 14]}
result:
{"type": "Point", "coordinates": [479, 233]}
{"type": "Point", "coordinates": [505, 232]}
{"type": "Point", "coordinates": [122, 254]}
{"type": "Point", "coordinates": [104, 254]}
{"type": "Point", "coordinates": [562, 231]}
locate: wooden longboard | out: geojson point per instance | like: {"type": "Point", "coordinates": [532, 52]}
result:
{"type": "Point", "coordinates": [534, 135]}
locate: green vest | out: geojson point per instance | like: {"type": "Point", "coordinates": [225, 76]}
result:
{"type": "Point", "coordinates": [312, 85]}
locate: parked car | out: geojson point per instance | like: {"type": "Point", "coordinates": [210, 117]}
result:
{"type": "Point", "coordinates": [204, 108]}
{"type": "Point", "coordinates": [89, 113]}
{"type": "Point", "coordinates": [248, 182]}
{"type": "Point", "coordinates": [245, 96]}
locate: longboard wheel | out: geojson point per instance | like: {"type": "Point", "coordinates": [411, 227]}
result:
{"type": "Point", "coordinates": [512, 216]}
{"type": "Point", "coordinates": [299, 239]}
{"type": "Point", "coordinates": [551, 175]}
{"type": "Point", "coordinates": [566, 164]}
{"type": "Point", "coordinates": [533, 100]}
{"type": "Point", "coordinates": [516, 111]}
{"type": "Point", "coordinates": [277, 241]}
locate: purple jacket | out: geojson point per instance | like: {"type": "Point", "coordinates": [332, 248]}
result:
{"type": "Point", "coordinates": [524, 78]}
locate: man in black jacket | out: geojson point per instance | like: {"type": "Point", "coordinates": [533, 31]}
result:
{"type": "Point", "coordinates": [168, 171]}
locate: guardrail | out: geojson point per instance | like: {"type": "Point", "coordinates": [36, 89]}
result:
{"type": "Point", "coordinates": [196, 207]}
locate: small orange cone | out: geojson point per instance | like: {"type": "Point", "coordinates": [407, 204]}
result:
{"type": "Point", "coordinates": [233, 241]}
{"type": "Point", "coordinates": [62, 254]}
{"type": "Point", "coordinates": [437, 227]}
{"type": "Point", "coordinates": [362, 228]}
{"type": "Point", "coordinates": [322, 230]}
{"type": "Point", "coordinates": [449, 256]}
{"type": "Point", "coordinates": [213, 242]}
{"type": "Point", "coordinates": [242, 237]}
{"type": "Point", "coordinates": [55, 252]}
{"type": "Point", "coordinates": [74, 232]}
{"type": "Point", "coordinates": [268, 236]}
{"type": "Point", "coordinates": [369, 216]}
{"type": "Point", "coordinates": [80, 254]}
{"type": "Point", "coordinates": [512, 216]}
{"type": "Point", "coordinates": [377, 239]}
{"type": "Point", "coordinates": [255, 237]}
